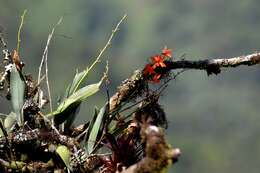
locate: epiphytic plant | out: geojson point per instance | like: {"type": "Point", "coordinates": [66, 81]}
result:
{"type": "Point", "coordinates": [126, 135]}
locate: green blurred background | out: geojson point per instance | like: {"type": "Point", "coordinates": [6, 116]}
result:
{"type": "Point", "coordinates": [214, 120]}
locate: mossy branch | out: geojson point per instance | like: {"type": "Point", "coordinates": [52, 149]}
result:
{"type": "Point", "coordinates": [213, 66]}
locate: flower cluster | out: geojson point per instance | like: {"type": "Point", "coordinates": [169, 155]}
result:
{"type": "Point", "coordinates": [157, 61]}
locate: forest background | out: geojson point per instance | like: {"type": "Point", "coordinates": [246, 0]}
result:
{"type": "Point", "coordinates": [214, 120]}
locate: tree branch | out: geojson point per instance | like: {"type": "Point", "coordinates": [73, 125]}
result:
{"type": "Point", "coordinates": [134, 85]}
{"type": "Point", "coordinates": [158, 154]}
{"type": "Point", "coordinates": [212, 66]}
{"type": "Point", "coordinates": [31, 136]}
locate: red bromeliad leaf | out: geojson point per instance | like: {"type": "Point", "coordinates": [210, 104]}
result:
{"type": "Point", "coordinates": [167, 52]}
{"type": "Point", "coordinates": [158, 61]}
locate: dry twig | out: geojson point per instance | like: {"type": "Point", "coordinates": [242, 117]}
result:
{"type": "Point", "coordinates": [44, 60]}
{"type": "Point", "coordinates": [19, 31]}
{"type": "Point", "coordinates": [97, 59]}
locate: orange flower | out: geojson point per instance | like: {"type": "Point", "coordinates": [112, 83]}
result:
{"type": "Point", "coordinates": [156, 78]}
{"type": "Point", "coordinates": [158, 61]}
{"type": "Point", "coordinates": [167, 52]}
{"type": "Point", "coordinates": [148, 70]}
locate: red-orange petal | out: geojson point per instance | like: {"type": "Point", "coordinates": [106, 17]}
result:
{"type": "Point", "coordinates": [148, 70]}
{"type": "Point", "coordinates": [158, 61]}
{"type": "Point", "coordinates": [156, 78]}
{"type": "Point", "coordinates": [167, 52]}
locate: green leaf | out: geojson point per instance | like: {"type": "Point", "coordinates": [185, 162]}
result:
{"type": "Point", "coordinates": [91, 124]}
{"type": "Point", "coordinates": [97, 127]}
{"type": "Point", "coordinates": [71, 110]}
{"type": "Point", "coordinates": [79, 95]}
{"type": "Point", "coordinates": [71, 113]}
{"type": "Point", "coordinates": [66, 94]}
{"type": "Point", "coordinates": [64, 154]}
{"type": "Point", "coordinates": [77, 81]}
{"type": "Point", "coordinates": [72, 116]}
{"type": "Point", "coordinates": [17, 88]}
{"type": "Point", "coordinates": [10, 121]}
{"type": "Point", "coordinates": [68, 107]}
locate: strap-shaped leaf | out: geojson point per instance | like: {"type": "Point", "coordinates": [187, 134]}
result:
{"type": "Point", "coordinates": [77, 81]}
{"type": "Point", "coordinates": [97, 127]}
{"type": "Point", "coordinates": [75, 99]}
{"type": "Point", "coordinates": [17, 88]}
{"type": "Point", "coordinates": [73, 112]}
{"type": "Point", "coordinates": [79, 95]}
{"type": "Point", "coordinates": [64, 154]}
{"type": "Point", "coordinates": [61, 117]}
{"type": "Point", "coordinates": [71, 118]}
{"type": "Point", "coordinates": [91, 124]}
{"type": "Point", "coordinates": [66, 94]}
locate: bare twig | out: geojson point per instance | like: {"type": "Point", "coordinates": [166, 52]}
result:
{"type": "Point", "coordinates": [165, 84]}
{"type": "Point", "coordinates": [44, 60]}
{"type": "Point", "coordinates": [108, 42]}
{"type": "Point", "coordinates": [97, 59]}
{"type": "Point", "coordinates": [47, 80]}
{"type": "Point", "coordinates": [19, 31]}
